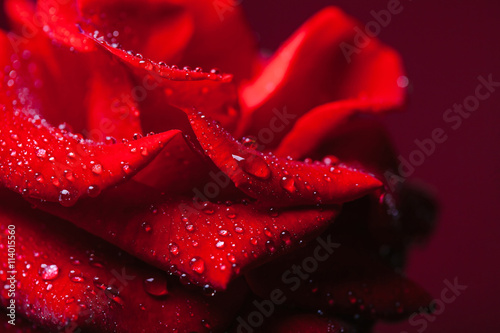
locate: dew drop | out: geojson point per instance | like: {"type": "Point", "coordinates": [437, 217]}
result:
{"type": "Point", "coordinates": [110, 140]}
{"type": "Point", "coordinates": [98, 283]}
{"type": "Point", "coordinates": [273, 212]}
{"type": "Point", "coordinates": [230, 213]}
{"type": "Point", "coordinates": [69, 175]}
{"type": "Point", "coordinates": [208, 209]}
{"type": "Point", "coordinates": [250, 142]}
{"type": "Point", "coordinates": [114, 295]}
{"type": "Point", "coordinates": [94, 262]}
{"type": "Point", "coordinates": [256, 166]}
{"type": "Point", "coordinates": [286, 237]}
{"type": "Point", "coordinates": [239, 230]}
{"type": "Point", "coordinates": [74, 261]}
{"type": "Point", "coordinates": [56, 182]}
{"type": "Point", "coordinates": [48, 272]}
{"type": "Point", "coordinates": [93, 191]}
{"type": "Point", "coordinates": [270, 246]}
{"type": "Point", "coordinates": [220, 244]}
{"type": "Point", "coordinates": [76, 276]}
{"type": "Point", "coordinates": [330, 160]}
{"type": "Point", "coordinates": [231, 257]}
{"type": "Point", "coordinates": [156, 286]}
{"type": "Point", "coordinates": [197, 265]}
{"type": "Point", "coordinates": [40, 179]}
{"type": "Point", "coordinates": [127, 169]}
{"type": "Point", "coordinates": [97, 169]}
{"type": "Point", "coordinates": [288, 184]}
{"type": "Point", "coordinates": [66, 199]}
{"type": "Point", "coordinates": [41, 153]}
{"type": "Point", "coordinates": [147, 228]}
{"type": "Point", "coordinates": [174, 249]}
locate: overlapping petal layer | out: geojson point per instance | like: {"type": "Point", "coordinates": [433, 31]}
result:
{"type": "Point", "coordinates": [67, 279]}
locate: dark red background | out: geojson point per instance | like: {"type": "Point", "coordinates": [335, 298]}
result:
{"type": "Point", "coordinates": [445, 46]}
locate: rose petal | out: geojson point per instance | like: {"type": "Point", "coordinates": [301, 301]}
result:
{"type": "Point", "coordinates": [207, 243]}
{"type": "Point", "coordinates": [199, 33]}
{"type": "Point", "coordinates": [402, 213]}
{"type": "Point", "coordinates": [164, 86]}
{"type": "Point", "coordinates": [59, 20]}
{"type": "Point", "coordinates": [223, 39]}
{"type": "Point", "coordinates": [104, 109]}
{"type": "Point", "coordinates": [331, 126]}
{"type": "Point", "coordinates": [111, 110]}
{"type": "Point", "coordinates": [43, 162]}
{"type": "Point", "coordinates": [279, 182]}
{"type": "Point", "coordinates": [310, 69]}
{"type": "Point", "coordinates": [68, 279]}
{"type": "Point", "coordinates": [158, 29]}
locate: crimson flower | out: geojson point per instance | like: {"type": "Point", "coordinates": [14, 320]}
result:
{"type": "Point", "coordinates": [140, 196]}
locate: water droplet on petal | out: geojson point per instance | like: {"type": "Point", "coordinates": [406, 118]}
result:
{"type": "Point", "coordinates": [40, 179]}
{"type": "Point", "coordinates": [156, 286]}
{"type": "Point", "coordinates": [288, 184]}
{"type": "Point", "coordinates": [97, 169]}
{"type": "Point", "coordinates": [69, 175]}
{"type": "Point", "coordinates": [66, 199]}
{"type": "Point", "coordinates": [174, 249]}
{"type": "Point", "coordinates": [114, 294]}
{"type": "Point", "coordinates": [41, 153]}
{"type": "Point", "coordinates": [197, 265]}
{"type": "Point", "coordinates": [48, 272]}
{"type": "Point", "coordinates": [127, 169]}
{"type": "Point", "coordinates": [270, 246]}
{"type": "Point", "coordinates": [250, 142]}
{"type": "Point", "coordinates": [220, 244]}
{"type": "Point", "coordinates": [147, 228]}
{"type": "Point", "coordinates": [93, 191]}
{"type": "Point", "coordinates": [256, 166]}
{"type": "Point", "coordinates": [94, 262]}
{"type": "Point", "coordinates": [286, 237]}
{"type": "Point", "coordinates": [76, 276]}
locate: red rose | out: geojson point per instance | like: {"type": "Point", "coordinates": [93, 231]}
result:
{"type": "Point", "coordinates": [234, 190]}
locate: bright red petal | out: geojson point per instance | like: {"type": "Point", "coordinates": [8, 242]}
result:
{"type": "Point", "coordinates": [160, 30]}
{"type": "Point", "coordinates": [111, 109]}
{"type": "Point", "coordinates": [95, 87]}
{"type": "Point", "coordinates": [205, 242]}
{"type": "Point", "coordinates": [279, 182]}
{"type": "Point", "coordinates": [167, 86]}
{"type": "Point", "coordinates": [50, 163]}
{"type": "Point", "coordinates": [311, 69]}
{"type": "Point", "coordinates": [67, 280]}
{"type": "Point", "coordinates": [60, 20]}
